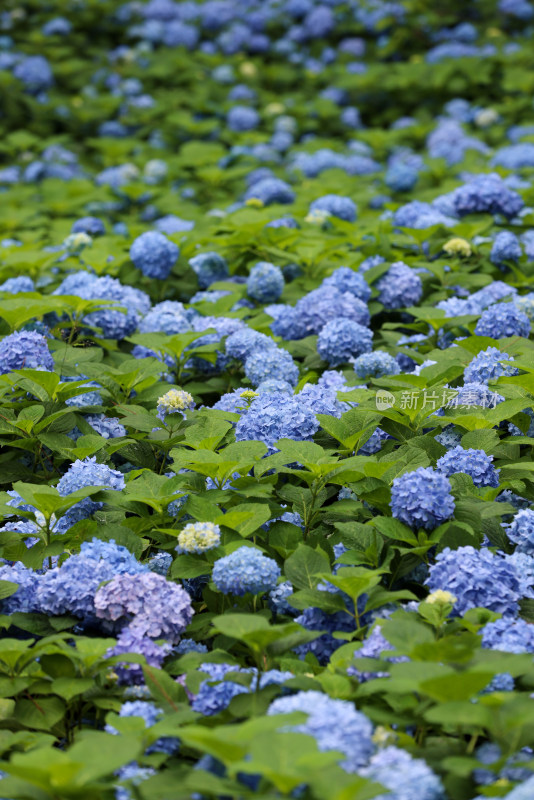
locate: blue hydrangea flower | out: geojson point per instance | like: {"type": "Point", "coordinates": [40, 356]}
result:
{"type": "Point", "coordinates": [107, 427]}
{"type": "Point", "coordinates": [271, 363]}
{"type": "Point", "coordinates": [209, 268]}
{"type": "Point", "coordinates": [322, 400]}
{"type": "Point", "coordinates": [81, 474]}
{"type": "Point", "coordinates": [168, 317]}
{"type": "Point", "coordinates": [509, 635]}
{"type": "Point", "coordinates": [345, 279]}
{"type": "Point", "coordinates": [521, 531]}
{"type": "Point", "coordinates": [154, 254]}
{"type": "Point", "coordinates": [275, 416]}
{"type": "Point", "coordinates": [399, 287]}
{"type": "Point", "coordinates": [374, 443]}
{"type": "Point", "coordinates": [148, 712]}
{"type": "Point", "coordinates": [71, 588]}
{"type": "Point", "coordinates": [334, 724]}
{"type": "Point", "coordinates": [401, 177]}
{"type": "Point", "coordinates": [84, 399]}
{"type": "Point", "coordinates": [265, 282]}
{"type": "Point", "coordinates": [472, 575]}
{"type": "Point", "coordinates": [135, 775]}
{"type": "Point", "coordinates": [336, 205]}
{"type": "Point", "coordinates": [315, 619]}
{"type": "Point", "coordinates": [474, 394]}
{"type": "Point", "coordinates": [269, 191]}
{"type": "Point", "coordinates": [170, 224]}
{"type": "Point", "coordinates": [373, 647]}
{"type": "Point", "coordinates": [278, 599]}
{"type": "Point", "coordinates": [25, 598]}
{"type": "Point", "coordinates": [148, 602]}
{"type": "Point", "coordinates": [487, 193]}
{"type": "Point", "coordinates": [245, 570]}
{"type": "Point", "coordinates": [422, 498]}
{"type": "Point", "coordinates": [487, 366]}
{"type": "Point", "coordinates": [22, 283]}
{"type": "Point", "coordinates": [35, 73]}
{"type": "Point", "coordinates": [375, 365]}
{"type": "Point", "coordinates": [89, 473]}
{"type": "Point", "coordinates": [25, 349]}
{"type": "Point", "coordinates": [134, 640]}
{"type": "Point", "coordinates": [502, 320]}
{"type": "Point", "coordinates": [91, 225]}
{"type": "Point", "coordinates": [341, 339]}
{"type": "Point", "coordinates": [273, 385]}
{"type": "Point", "coordinates": [161, 561]}
{"type": "Point", "coordinates": [241, 344]}
{"type": "Point", "coordinates": [324, 304]}
{"type": "Point", "coordinates": [475, 463]}
{"type": "Point", "coordinates": [525, 303]}
{"type": "Point", "coordinates": [234, 401]}
{"type": "Point", "coordinates": [189, 646]}
{"type": "Point", "coordinates": [399, 772]}
{"type": "Point", "coordinates": [242, 118]}
{"type": "Point", "coordinates": [521, 9]}
{"type": "Point", "coordinates": [114, 323]}
{"type": "Point", "coordinates": [420, 216]}
{"type": "Point", "coordinates": [505, 247]}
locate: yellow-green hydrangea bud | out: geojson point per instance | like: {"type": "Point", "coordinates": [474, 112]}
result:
{"type": "Point", "coordinates": [457, 247]}
{"type": "Point", "coordinates": [173, 402]}
{"type": "Point", "coordinates": [197, 537]}
{"type": "Point", "coordinates": [441, 597]}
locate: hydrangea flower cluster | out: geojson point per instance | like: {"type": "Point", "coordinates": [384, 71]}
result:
{"type": "Point", "coordinates": [502, 320]}
{"type": "Point", "coordinates": [273, 416]}
{"type": "Point", "coordinates": [471, 576]}
{"type": "Point", "coordinates": [341, 339]}
{"type": "Point", "coordinates": [245, 570]}
{"type": "Point", "coordinates": [71, 588]}
{"type": "Point", "coordinates": [334, 724]}
{"type": "Point", "coordinates": [265, 282]}
{"type": "Point", "coordinates": [209, 268]}
{"type": "Point", "coordinates": [154, 254]}
{"type": "Point", "coordinates": [375, 365]}
{"type": "Point", "coordinates": [25, 350]}
{"type": "Point", "coordinates": [175, 401]}
{"type": "Point", "coordinates": [147, 602]}
{"type": "Point", "coordinates": [399, 287]}
{"type": "Point", "coordinates": [274, 363]}
{"type": "Point", "coordinates": [487, 366]}
{"type": "Point", "coordinates": [197, 537]}
{"type": "Point", "coordinates": [399, 772]}
{"type": "Point", "coordinates": [521, 531]}
{"type": "Point", "coordinates": [336, 206]}
{"type": "Point", "coordinates": [475, 463]}
{"type": "Point", "coordinates": [422, 498]}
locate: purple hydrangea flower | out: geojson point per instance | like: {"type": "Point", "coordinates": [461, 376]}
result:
{"type": "Point", "coordinates": [147, 602]}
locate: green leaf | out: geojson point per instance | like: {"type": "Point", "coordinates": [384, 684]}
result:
{"type": "Point", "coordinates": [304, 565]}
